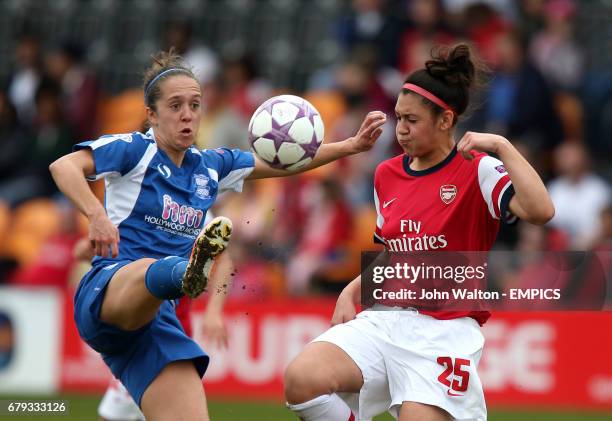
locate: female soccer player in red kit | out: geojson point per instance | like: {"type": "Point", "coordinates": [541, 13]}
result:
{"type": "Point", "coordinates": [436, 196]}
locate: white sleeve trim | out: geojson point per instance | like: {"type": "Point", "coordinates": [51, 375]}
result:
{"type": "Point", "coordinates": [380, 220]}
{"type": "Point", "coordinates": [235, 179]}
{"type": "Point", "coordinates": [110, 139]}
{"type": "Point", "coordinates": [214, 175]}
{"type": "Point", "coordinates": [488, 177]}
{"type": "Point", "coordinates": [108, 174]}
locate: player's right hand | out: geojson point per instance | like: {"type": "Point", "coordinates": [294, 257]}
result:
{"type": "Point", "coordinates": [103, 235]}
{"type": "Point", "coordinates": [345, 309]}
{"type": "Point", "coordinates": [214, 329]}
{"type": "Point", "coordinates": [369, 132]}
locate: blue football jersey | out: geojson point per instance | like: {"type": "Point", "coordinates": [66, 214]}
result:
{"type": "Point", "coordinates": [158, 207]}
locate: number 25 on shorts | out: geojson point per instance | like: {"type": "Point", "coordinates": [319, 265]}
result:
{"type": "Point", "coordinates": [461, 377]}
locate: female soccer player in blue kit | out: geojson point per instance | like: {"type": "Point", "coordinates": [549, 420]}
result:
{"type": "Point", "coordinates": [150, 245]}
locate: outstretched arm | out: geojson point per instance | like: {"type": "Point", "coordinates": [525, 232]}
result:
{"type": "Point", "coordinates": [69, 174]}
{"type": "Point", "coordinates": [366, 137]}
{"type": "Point", "coordinates": [531, 201]}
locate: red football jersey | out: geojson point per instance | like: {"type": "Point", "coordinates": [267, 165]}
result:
{"type": "Point", "coordinates": [455, 205]}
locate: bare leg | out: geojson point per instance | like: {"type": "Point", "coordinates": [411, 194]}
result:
{"type": "Point", "coordinates": [322, 368]}
{"type": "Point", "coordinates": [414, 411]}
{"type": "Point", "coordinates": [176, 394]}
{"type": "Point", "coordinates": [128, 304]}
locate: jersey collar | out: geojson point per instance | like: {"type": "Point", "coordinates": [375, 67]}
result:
{"type": "Point", "coordinates": [429, 170]}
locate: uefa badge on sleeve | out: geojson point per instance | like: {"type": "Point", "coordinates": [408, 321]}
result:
{"type": "Point", "coordinates": [448, 192]}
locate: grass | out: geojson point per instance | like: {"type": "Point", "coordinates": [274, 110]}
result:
{"type": "Point", "coordinates": [83, 408]}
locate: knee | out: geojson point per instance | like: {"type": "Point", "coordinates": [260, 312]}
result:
{"type": "Point", "coordinates": [304, 382]}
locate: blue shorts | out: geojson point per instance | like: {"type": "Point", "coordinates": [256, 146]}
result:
{"type": "Point", "coordinates": [134, 357]}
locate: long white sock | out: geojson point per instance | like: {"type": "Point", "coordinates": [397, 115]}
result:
{"type": "Point", "coordinates": [323, 408]}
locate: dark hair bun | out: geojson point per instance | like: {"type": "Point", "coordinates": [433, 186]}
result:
{"type": "Point", "coordinates": [453, 66]}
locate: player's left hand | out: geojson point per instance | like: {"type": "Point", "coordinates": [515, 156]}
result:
{"type": "Point", "coordinates": [214, 329]}
{"type": "Point", "coordinates": [481, 142]}
{"type": "Point", "coordinates": [369, 132]}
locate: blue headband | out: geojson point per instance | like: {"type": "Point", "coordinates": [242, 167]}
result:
{"type": "Point", "coordinates": [156, 78]}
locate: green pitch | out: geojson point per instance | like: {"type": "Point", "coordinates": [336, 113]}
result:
{"type": "Point", "coordinates": [83, 408]}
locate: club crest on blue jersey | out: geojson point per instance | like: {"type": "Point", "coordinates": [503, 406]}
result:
{"type": "Point", "coordinates": [448, 192]}
{"type": "Point", "coordinates": [202, 189]}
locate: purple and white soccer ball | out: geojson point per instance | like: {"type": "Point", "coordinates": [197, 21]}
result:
{"type": "Point", "coordinates": [286, 131]}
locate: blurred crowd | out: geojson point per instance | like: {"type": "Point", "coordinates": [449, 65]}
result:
{"type": "Point", "coordinates": [546, 92]}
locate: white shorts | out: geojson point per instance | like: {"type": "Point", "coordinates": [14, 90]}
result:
{"type": "Point", "coordinates": [118, 405]}
{"type": "Point", "coordinates": [407, 356]}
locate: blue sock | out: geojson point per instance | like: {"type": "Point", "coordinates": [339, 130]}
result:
{"type": "Point", "coordinates": [164, 278]}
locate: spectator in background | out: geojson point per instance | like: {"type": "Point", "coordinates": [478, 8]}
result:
{"type": "Point", "coordinates": [220, 125]}
{"type": "Point", "coordinates": [482, 24]}
{"type": "Point", "coordinates": [370, 24]}
{"type": "Point", "coordinates": [506, 9]}
{"type": "Point", "coordinates": [531, 19]}
{"type": "Point", "coordinates": [604, 240]}
{"type": "Point", "coordinates": [79, 88]}
{"type": "Point", "coordinates": [554, 50]}
{"type": "Point", "coordinates": [179, 34]}
{"type": "Point", "coordinates": [291, 212]}
{"type": "Point", "coordinates": [326, 232]}
{"type": "Point", "coordinates": [579, 196]}
{"type": "Point", "coordinates": [13, 140]}
{"type": "Point", "coordinates": [49, 139]}
{"type": "Point", "coordinates": [536, 264]}
{"type": "Point", "coordinates": [26, 77]}
{"type": "Point", "coordinates": [602, 248]}
{"type": "Point", "coordinates": [426, 30]}
{"type": "Point", "coordinates": [245, 89]}
{"type": "Point", "coordinates": [356, 80]}
{"type": "Point", "coordinates": [520, 103]}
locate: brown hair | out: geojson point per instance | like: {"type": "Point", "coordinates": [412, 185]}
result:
{"type": "Point", "coordinates": [452, 74]}
{"type": "Point", "coordinates": [165, 64]}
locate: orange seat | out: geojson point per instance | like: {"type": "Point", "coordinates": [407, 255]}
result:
{"type": "Point", "coordinates": [32, 224]}
{"type": "Point", "coordinates": [330, 105]}
{"type": "Point", "coordinates": [123, 113]}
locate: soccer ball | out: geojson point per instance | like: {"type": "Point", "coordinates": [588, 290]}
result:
{"type": "Point", "coordinates": [286, 131]}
